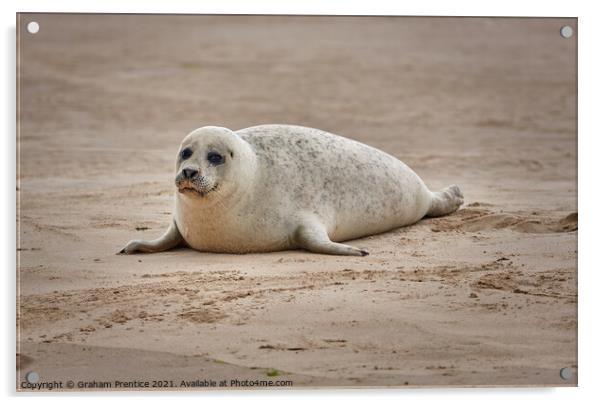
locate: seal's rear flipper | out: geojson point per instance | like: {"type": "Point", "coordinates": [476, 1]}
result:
{"type": "Point", "coordinates": [445, 201]}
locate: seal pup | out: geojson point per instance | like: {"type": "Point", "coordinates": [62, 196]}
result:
{"type": "Point", "coordinates": [277, 187]}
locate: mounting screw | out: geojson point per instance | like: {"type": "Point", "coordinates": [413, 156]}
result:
{"type": "Point", "coordinates": [566, 31]}
{"type": "Point", "coordinates": [566, 373]}
{"type": "Point", "coordinates": [32, 377]}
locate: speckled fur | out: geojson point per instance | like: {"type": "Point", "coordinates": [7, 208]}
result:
{"type": "Point", "coordinates": [282, 184]}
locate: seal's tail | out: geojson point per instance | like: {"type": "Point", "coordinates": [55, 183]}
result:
{"type": "Point", "coordinates": [445, 201]}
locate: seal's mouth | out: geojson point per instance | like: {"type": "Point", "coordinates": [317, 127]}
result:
{"type": "Point", "coordinates": [191, 188]}
{"type": "Point", "coordinates": [188, 189]}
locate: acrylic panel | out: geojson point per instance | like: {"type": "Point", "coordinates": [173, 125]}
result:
{"type": "Point", "coordinates": [295, 249]}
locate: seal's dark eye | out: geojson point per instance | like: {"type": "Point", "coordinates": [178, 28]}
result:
{"type": "Point", "coordinates": [215, 158]}
{"type": "Point", "coordinates": [186, 153]}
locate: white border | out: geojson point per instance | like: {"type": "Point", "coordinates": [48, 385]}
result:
{"type": "Point", "coordinates": [590, 132]}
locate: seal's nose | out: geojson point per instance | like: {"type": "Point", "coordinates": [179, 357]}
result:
{"type": "Point", "coordinates": [189, 172]}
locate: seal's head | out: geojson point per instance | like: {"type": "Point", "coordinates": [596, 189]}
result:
{"type": "Point", "coordinates": [211, 162]}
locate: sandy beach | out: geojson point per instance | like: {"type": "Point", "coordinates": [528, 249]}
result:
{"type": "Point", "coordinates": [484, 297]}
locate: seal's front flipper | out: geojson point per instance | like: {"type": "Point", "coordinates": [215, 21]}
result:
{"type": "Point", "coordinates": [313, 237]}
{"type": "Point", "coordinates": [170, 239]}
